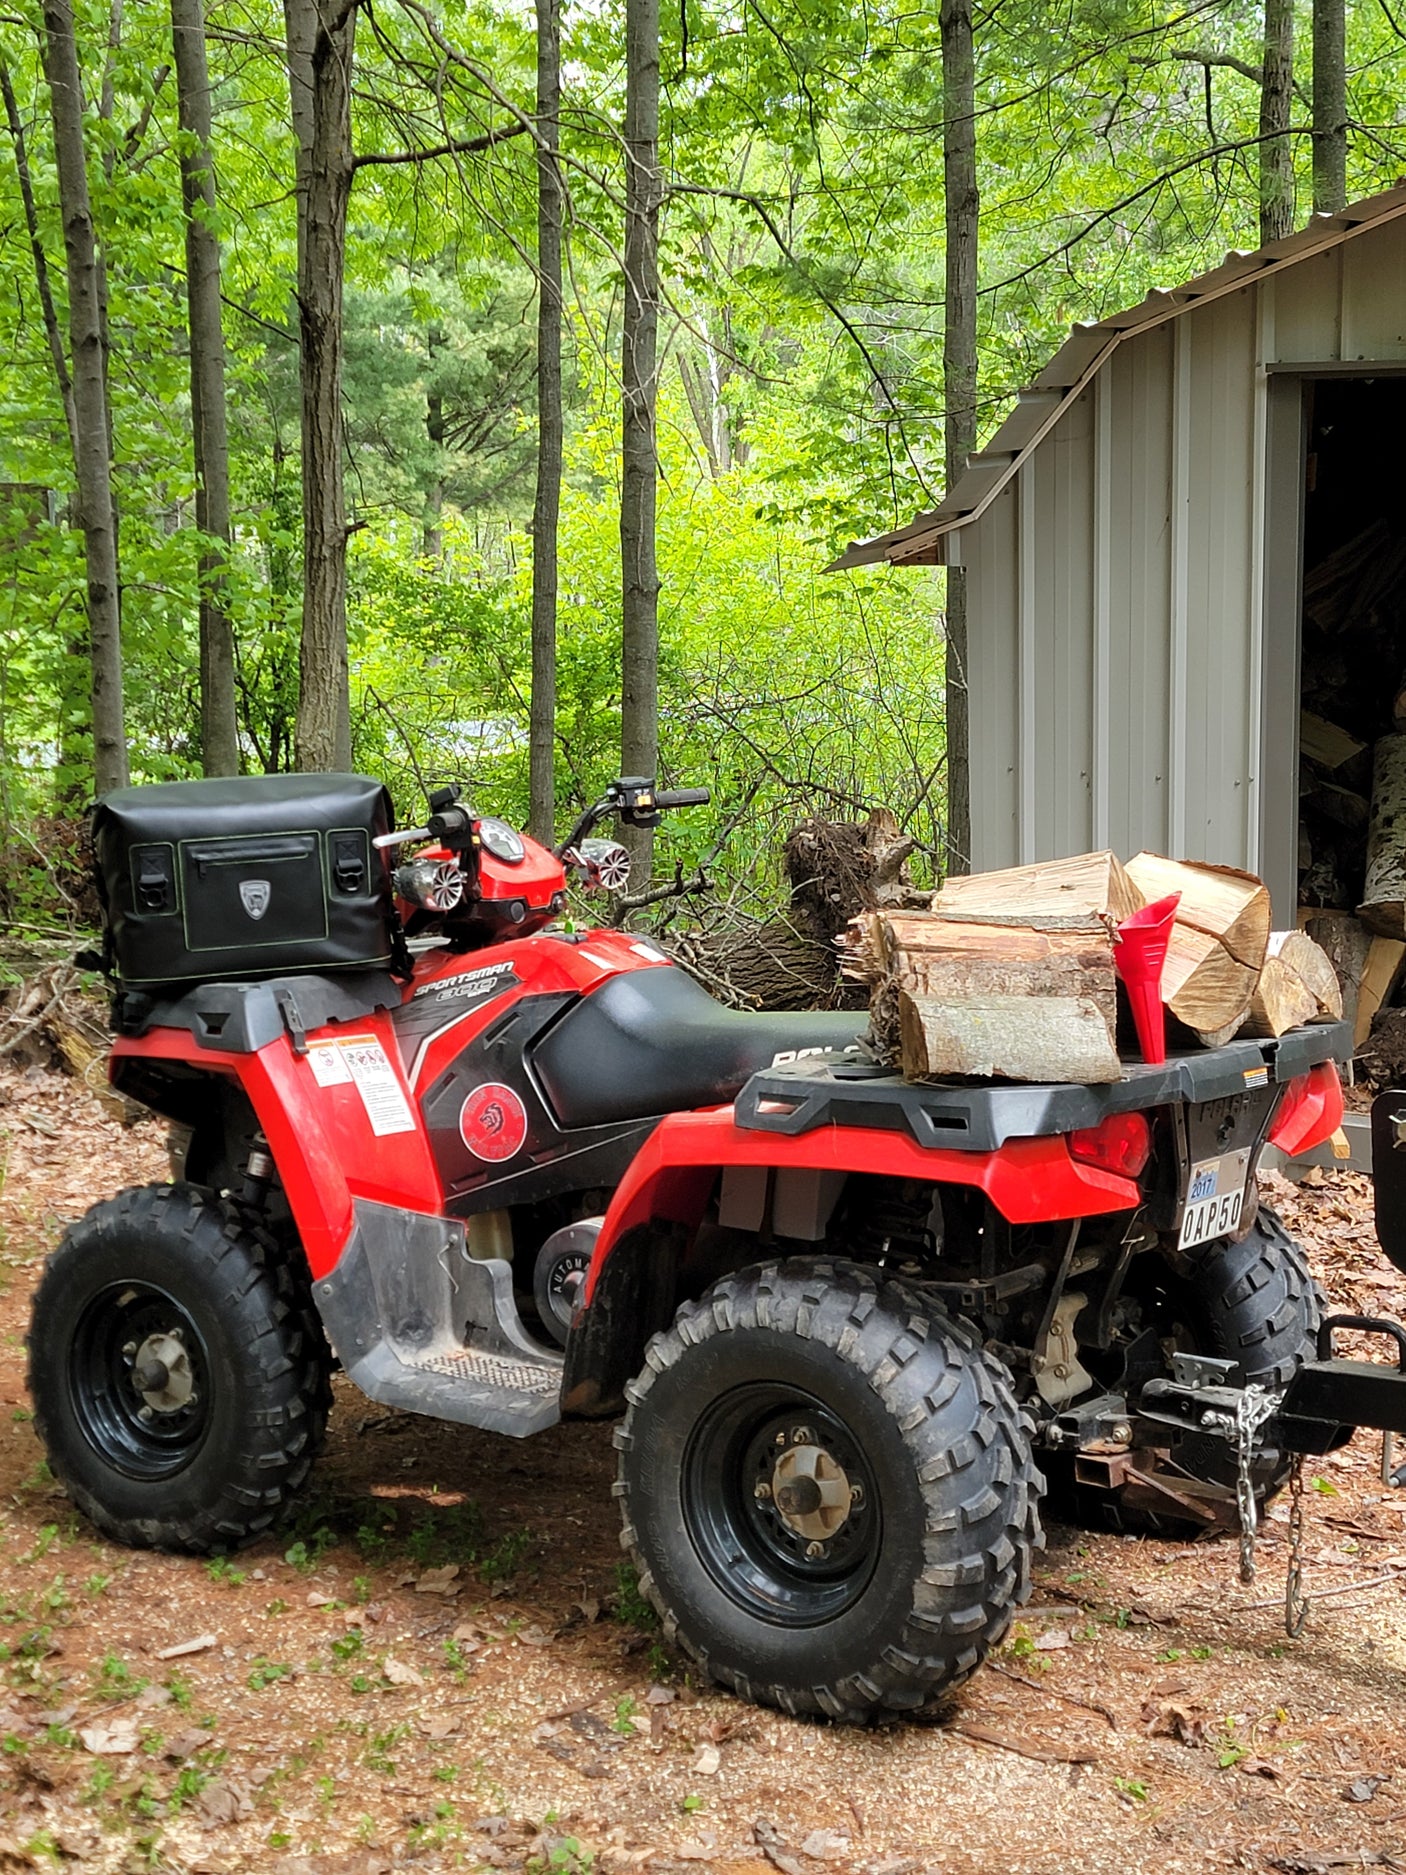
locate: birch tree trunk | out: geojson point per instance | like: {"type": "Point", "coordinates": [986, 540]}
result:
{"type": "Point", "coordinates": [546, 509]}
{"type": "Point", "coordinates": [1329, 106]}
{"type": "Point", "coordinates": [320, 45]}
{"type": "Point", "coordinates": [1277, 204]}
{"type": "Point", "coordinates": [959, 370]}
{"type": "Point", "coordinates": [219, 735]}
{"type": "Point", "coordinates": [639, 611]}
{"type": "Point", "coordinates": [92, 421]}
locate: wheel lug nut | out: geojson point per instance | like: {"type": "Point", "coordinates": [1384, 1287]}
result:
{"type": "Point", "coordinates": [178, 1334]}
{"type": "Point", "coordinates": [781, 1438]}
{"type": "Point", "coordinates": [130, 1350]}
{"type": "Point", "coordinates": [146, 1412]}
{"type": "Point", "coordinates": [856, 1494]}
{"type": "Point", "coordinates": [761, 1491]}
{"type": "Point", "coordinates": [814, 1551]}
{"type": "Point", "coordinates": [802, 1435]}
{"type": "Point", "coordinates": [192, 1398]}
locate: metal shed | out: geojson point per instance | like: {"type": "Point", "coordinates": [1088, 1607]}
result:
{"type": "Point", "coordinates": [1134, 536]}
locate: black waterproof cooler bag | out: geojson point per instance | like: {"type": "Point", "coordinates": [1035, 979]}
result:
{"type": "Point", "coordinates": [254, 876]}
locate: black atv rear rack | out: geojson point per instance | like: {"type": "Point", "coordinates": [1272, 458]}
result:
{"type": "Point", "coordinates": [980, 1116]}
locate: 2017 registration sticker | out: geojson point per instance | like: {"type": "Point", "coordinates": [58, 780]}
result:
{"type": "Point", "coordinates": [1215, 1198]}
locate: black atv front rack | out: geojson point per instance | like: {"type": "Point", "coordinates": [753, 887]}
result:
{"type": "Point", "coordinates": [1327, 1400]}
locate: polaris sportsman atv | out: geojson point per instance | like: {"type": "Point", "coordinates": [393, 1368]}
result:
{"type": "Point", "coordinates": [502, 1170]}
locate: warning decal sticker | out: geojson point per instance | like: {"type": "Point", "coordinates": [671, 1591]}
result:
{"type": "Point", "coordinates": [361, 1060]}
{"type": "Point", "coordinates": [493, 1123]}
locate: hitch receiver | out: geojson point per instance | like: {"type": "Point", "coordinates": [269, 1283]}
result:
{"type": "Point", "coordinates": [1328, 1399]}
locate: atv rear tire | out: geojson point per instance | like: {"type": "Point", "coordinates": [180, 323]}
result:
{"type": "Point", "coordinates": [1254, 1302]}
{"type": "Point", "coordinates": [178, 1370]}
{"type": "Point", "coordinates": [780, 1384]}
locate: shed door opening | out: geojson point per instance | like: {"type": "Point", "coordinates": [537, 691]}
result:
{"type": "Point", "coordinates": [1353, 667]}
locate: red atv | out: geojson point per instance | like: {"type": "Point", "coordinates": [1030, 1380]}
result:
{"type": "Point", "coordinates": [532, 1170]}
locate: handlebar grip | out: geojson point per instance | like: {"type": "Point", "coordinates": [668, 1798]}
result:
{"type": "Point", "coordinates": [682, 797]}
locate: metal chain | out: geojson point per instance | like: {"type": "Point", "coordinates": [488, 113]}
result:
{"type": "Point", "coordinates": [1295, 1600]}
{"type": "Point", "coordinates": [1252, 1409]}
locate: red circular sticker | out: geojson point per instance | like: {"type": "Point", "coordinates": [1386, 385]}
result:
{"type": "Point", "coordinates": [493, 1122]}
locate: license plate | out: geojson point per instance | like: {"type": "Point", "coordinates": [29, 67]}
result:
{"type": "Point", "coordinates": [1214, 1199]}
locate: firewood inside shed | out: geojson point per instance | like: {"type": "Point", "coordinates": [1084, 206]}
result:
{"type": "Point", "coordinates": [1383, 907]}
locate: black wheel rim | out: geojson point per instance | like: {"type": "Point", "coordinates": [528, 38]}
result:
{"type": "Point", "coordinates": [788, 1575]}
{"type": "Point", "coordinates": [151, 1434]}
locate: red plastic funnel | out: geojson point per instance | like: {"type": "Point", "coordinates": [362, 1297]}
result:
{"type": "Point", "coordinates": [1139, 956]}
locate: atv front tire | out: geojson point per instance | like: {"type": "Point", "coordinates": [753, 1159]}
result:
{"type": "Point", "coordinates": [828, 1490]}
{"type": "Point", "coordinates": [178, 1370]}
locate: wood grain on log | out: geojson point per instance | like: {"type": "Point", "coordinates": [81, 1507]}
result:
{"type": "Point", "coordinates": [1282, 1001]}
{"type": "Point", "coordinates": [1202, 984]}
{"type": "Point", "coordinates": [1083, 886]}
{"type": "Point", "coordinates": [1383, 907]}
{"type": "Point", "coordinates": [1229, 905]}
{"type": "Point", "coordinates": [1314, 968]}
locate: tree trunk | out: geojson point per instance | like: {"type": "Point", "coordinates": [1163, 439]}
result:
{"type": "Point", "coordinates": [1329, 106]}
{"type": "Point", "coordinates": [1277, 205]}
{"type": "Point", "coordinates": [52, 331]}
{"type": "Point", "coordinates": [639, 609]}
{"type": "Point", "coordinates": [959, 370]}
{"type": "Point", "coordinates": [92, 420]}
{"type": "Point", "coordinates": [219, 736]}
{"type": "Point", "coordinates": [320, 46]}
{"type": "Point", "coordinates": [546, 509]}
{"type": "Point", "coordinates": [434, 506]}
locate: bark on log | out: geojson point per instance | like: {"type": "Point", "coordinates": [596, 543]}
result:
{"type": "Point", "coordinates": [1383, 907]}
{"type": "Point", "coordinates": [1022, 1038]}
{"type": "Point", "coordinates": [1345, 941]}
{"type": "Point", "coordinates": [1229, 905]}
{"type": "Point", "coordinates": [1313, 967]}
{"type": "Point", "coordinates": [1087, 885]}
{"type": "Point", "coordinates": [1282, 1001]}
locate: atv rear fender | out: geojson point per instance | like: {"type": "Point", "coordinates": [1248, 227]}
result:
{"type": "Point", "coordinates": [321, 1141]}
{"type": "Point", "coordinates": [1030, 1181]}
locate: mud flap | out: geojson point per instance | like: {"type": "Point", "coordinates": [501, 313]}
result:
{"type": "Point", "coordinates": [1389, 1172]}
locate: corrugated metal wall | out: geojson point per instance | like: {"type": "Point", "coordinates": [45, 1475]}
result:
{"type": "Point", "coordinates": [1118, 586]}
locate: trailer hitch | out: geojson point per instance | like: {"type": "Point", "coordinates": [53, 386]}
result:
{"type": "Point", "coordinates": [1325, 1402]}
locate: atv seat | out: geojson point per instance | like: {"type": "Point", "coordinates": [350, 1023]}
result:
{"type": "Point", "coordinates": [654, 1041]}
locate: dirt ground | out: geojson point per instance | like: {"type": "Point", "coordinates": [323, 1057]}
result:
{"type": "Point", "coordinates": [438, 1664]}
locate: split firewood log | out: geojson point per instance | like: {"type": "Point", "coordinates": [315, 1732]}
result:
{"type": "Point", "coordinates": [1034, 1001]}
{"type": "Point", "coordinates": [1282, 1001]}
{"type": "Point", "coordinates": [1313, 967]}
{"type": "Point", "coordinates": [1087, 885]}
{"type": "Point", "coordinates": [1202, 984]}
{"type": "Point", "coordinates": [1228, 905]}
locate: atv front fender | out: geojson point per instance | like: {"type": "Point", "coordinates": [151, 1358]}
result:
{"type": "Point", "coordinates": [323, 1145]}
{"type": "Point", "coordinates": [1030, 1181]}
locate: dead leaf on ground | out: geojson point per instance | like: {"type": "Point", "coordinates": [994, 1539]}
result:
{"type": "Point", "coordinates": [438, 1724]}
{"type": "Point", "coordinates": [706, 1763]}
{"type": "Point", "coordinates": [220, 1802]}
{"type": "Point", "coordinates": [826, 1845]}
{"type": "Point", "coordinates": [1363, 1789]}
{"type": "Point", "coordinates": [110, 1737]}
{"type": "Point", "coordinates": [400, 1673]}
{"type": "Point", "coordinates": [441, 1581]}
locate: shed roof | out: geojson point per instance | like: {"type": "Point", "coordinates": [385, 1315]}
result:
{"type": "Point", "coordinates": [1084, 353]}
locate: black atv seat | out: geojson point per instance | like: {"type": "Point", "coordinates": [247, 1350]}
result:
{"type": "Point", "coordinates": [654, 1041]}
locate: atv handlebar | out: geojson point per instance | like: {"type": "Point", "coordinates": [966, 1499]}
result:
{"type": "Point", "coordinates": [638, 804]}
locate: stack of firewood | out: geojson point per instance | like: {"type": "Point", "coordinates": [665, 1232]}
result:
{"type": "Point", "coordinates": [1012, 973]}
